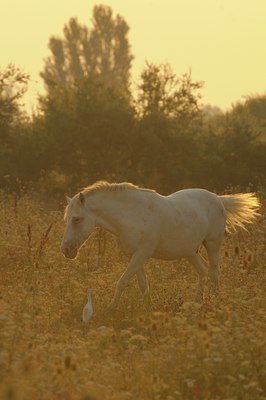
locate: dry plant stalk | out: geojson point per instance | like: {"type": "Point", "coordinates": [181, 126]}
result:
{"type": "Point", "coordinates": [29, 236]}
{"type": "Point", "coordinates": [42, 243]}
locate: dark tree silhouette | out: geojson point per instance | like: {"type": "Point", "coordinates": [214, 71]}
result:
{"type": "Point", "coordinates": [101, 53]}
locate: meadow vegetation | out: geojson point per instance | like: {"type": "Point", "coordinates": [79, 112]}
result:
{"type": "Point", "coordinates": [179, 350]}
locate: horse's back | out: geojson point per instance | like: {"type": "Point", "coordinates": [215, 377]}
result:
{"type": "Point", "coordinates": [204, 206]}
{"type": "Point", "coordinates": [194, 195]}
{"type": "Point", "coordinates": [189, 217]}
{"type": "Point", "coordinates": [201, 200]}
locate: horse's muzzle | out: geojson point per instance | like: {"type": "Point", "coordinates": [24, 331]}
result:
{"type": "Point", "coordinates": [69, 252]}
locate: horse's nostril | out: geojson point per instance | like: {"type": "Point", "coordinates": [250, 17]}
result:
{"type": "Point", "coordinates": [69, 252]}
{"type": "Point", "coordinates": [65, 250]}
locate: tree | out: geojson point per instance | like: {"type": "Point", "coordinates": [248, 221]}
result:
{"type": "Point", "coordinates": [168, 112]}
{"type": "Point", "coordinates": [18, 147]}
{"type": "Point", "coordinates": [13, 85]}
{"type": "Point", "coordinates": [87, 113]}
{"type": "Point", "coordinates": [234, 152]}
{"type": "Point", "coordinates": [257, 108]}
{"type": "Point", "coordinates": [160, 91]}
{"type": "Point", "coordinates": [101, 53]}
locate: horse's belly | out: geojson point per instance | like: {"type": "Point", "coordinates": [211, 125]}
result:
{"type": "Point", "coordinates": [170, 254]}
{"type": "Point", "coordinates": [167, 255]}
{"type": "Point", "coordinates": [180, 239]}
{"type": "Point", "coordinates": [174, 249]}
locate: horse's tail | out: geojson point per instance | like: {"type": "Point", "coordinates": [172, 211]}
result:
{"type": "Point", "coordinates": [241, 209]}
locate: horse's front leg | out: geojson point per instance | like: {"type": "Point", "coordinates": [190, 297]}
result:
{"type": "Point", "coordinates": [144, 287]}
{"type": "Point", "coordinates": [135, 266]}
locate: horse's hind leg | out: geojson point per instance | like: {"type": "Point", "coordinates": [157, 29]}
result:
{"type": "Point", "coordinates": [213, 249]}
{"type": "Point", "coordinates": [199, 265]}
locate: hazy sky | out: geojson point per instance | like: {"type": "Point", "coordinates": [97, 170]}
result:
{"type": "Point", "coordinates": [222, 41]}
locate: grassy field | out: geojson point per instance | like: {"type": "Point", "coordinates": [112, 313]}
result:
{"type": "Point", "coordinates": [215, 351]}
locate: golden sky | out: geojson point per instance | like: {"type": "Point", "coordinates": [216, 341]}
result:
{"type": "Point", "coordinates": [221, 41]}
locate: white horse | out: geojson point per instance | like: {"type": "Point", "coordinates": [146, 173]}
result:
{"type": "Point", "coordinates": [149, 225]}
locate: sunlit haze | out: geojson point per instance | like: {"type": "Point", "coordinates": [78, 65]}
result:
{"type": "Point", "coordinates": [221, 41]}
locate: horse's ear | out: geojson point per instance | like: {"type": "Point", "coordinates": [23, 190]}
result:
{"type": "Point", "coordinates": [81, 198]}
{"type": "Point", "coordinates": [68, 199]}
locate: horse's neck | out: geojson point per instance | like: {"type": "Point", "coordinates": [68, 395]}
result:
{"type": "Point", "coordinates": [113, 209]}
{"type": "Point", "coordinates": [107, 209]}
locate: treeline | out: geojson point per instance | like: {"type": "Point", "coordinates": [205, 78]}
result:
{"type": "Point", "coordinates": [93, 123]}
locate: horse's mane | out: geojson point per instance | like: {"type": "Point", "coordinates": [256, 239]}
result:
{"type": "Point", "coordinates": [103, 186]}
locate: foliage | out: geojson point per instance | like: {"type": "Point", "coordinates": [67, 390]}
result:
{"type": "Point", "coordinates": [91, 124]}
{"type": "Point", "coordinates": [13, 123]}
{"type": "Point", "coordinates": [235, 146]}
{"type": "Point", "coordinates": [160, 91]}
{"type": "Point", "coordinates": [180, 350]}
{"type": "Point", "coordinates": [13, 85]}
{"type": "Point", "coordinates": [257, 108]}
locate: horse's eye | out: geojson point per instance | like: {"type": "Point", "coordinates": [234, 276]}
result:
{"type": "Point", "coordinates": [76, 220]}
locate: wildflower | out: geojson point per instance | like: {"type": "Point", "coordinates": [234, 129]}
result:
{"type": "Point", "coordinates": [138, 339]}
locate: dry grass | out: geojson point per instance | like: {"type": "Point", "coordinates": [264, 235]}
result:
{"type": "Point", "coordinates": [180, 351]}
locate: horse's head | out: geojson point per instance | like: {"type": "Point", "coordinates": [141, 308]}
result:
{"type": "Point", "coordinates": [80, 222]}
